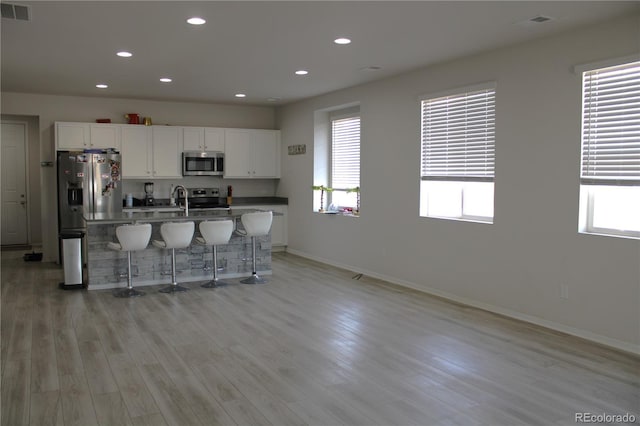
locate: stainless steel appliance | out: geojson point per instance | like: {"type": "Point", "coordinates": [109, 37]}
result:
{"type": "Point", "coordinates": [208, 163]}
{"type": "Point", "coordinates": [203, 198]}
{"type": "Point", "coordinates": [148, 191]}
{"type": "Point", "coordinates": [87, 182]}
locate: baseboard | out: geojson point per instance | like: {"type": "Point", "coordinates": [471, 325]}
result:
{"type": "Point", "coordinates": [594, 337]}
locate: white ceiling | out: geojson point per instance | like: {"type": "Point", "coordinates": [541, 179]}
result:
{"type": "Point", "coordinates": [255, 47]}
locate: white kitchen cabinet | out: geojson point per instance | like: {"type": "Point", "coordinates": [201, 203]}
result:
{"type": "Point", "coordinates": [279, 226]}
{"type": "Point", "coordinates": [72, 135]}
{"type": "Point", "coordinates": [193, 138]}
{"type": "Point", "coordinates": [105, 136]}
{"type": "Point", "coordinates": [279, 237]}
{"type": "Point", "coordinates": [203, 139]}
{"type": "Point", "coordinates": [214, 139]}
{"type": "Point", "coordinates": [151, 152]}
{"type": "Point", "coordinates": [167, 149]}
{"type": "Point", "coordinates": [252, 153]}
{"type": "Point", "coordinates": [87, 135]}
{"type": "Point", "coordinates": [136, 151]}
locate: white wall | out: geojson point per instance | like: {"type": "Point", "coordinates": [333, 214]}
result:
{"type": "Point", "coordinates": [516, 265]}
{"type": "Point", "coordinates": [52, 108]}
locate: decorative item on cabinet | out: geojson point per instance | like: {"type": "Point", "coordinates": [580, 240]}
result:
{"type": "Point", "coordinates": [132, 118]}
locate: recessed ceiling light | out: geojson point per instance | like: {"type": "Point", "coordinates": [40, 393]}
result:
{"type": "Point", "coordinates": [101, 86]}
{"type": "Point", "coordinates": [342, 40]}
{"type": "Point", "coordinates": [274, 99]}
{"type": "Point", "coordinates": [166, 80]}
{"type": "Point", "coordinates": [124, 54]}
{"type": "Point", "coordinates": [302, 72]}
{"type": "Point", "coordinates": [240, 95]}
{"type": "Point", "coordinates": [196, 21]}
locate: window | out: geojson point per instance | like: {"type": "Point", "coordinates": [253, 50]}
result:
{"type": "Point", "coordinates": [458, 155]}
{"type": "Point", "coordinates": [610, 160]}
{"type": "Point", "coordinates": [345, 160]}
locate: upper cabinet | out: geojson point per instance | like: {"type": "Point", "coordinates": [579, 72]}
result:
{"type": "Point", "coordinates": [213, 139]}
{"type": "Point", "coordinates": [203, 139]}
{"type": "Point", "coordinates": [156, 151]}
{"type": "Point", "coordinates": [71, 136]}
{"type": "Point", "coordinates": [137, 151]}
{"type": "Point", "coordinates": [252, 153]}
{"type": "Point", "coordinates": [105, 136]}
{"type": "Point", "coordinates": [151, 152]}
{"type": "Point", "coordinates": [167, 150]}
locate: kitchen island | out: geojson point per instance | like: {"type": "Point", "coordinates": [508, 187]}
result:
{"type": "Point", "coordinates": [108, 268]}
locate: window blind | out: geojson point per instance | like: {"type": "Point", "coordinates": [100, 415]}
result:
{"type": "Point", "coordinates": [458, 137]}
{"type": "Point", "coordinates": [611, 125]}
{"type": "Point", "coordinates": [345, 153]}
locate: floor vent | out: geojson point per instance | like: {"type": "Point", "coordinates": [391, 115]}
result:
{"type": "Point", "coordinates": [15, 11]}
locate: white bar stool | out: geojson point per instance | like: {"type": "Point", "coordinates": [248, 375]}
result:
{"type": "Point", "coordinates": [130, 238]}
{"type": "Point", "coordinates": [256, 225]}
{"type": "Point", "coordinates": [214, 233]}
{"type": "Point", "coordinates": [175, 235]}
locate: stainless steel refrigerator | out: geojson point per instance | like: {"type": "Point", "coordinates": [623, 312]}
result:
{"type": "Point", "coordinates": [88, 182]}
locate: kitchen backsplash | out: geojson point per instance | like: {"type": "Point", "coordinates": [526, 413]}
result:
{"type": "Point", "coordinates": [241, 187]}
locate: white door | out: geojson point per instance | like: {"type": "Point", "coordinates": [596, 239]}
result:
{"type": "Point", "coordinates": [14, 195]}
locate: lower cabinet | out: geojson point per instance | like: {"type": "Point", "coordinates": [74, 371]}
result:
{"type": "Point", "coordinates": [278, 227]}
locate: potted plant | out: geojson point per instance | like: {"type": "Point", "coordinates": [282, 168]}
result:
{"type": "Point", "coordinates": [322, 190]}
{"type": "Point", "coordinates": [357, 191]}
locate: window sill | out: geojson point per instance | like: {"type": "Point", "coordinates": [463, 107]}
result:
{"type": "Point", "coordinates": [462, 219]}
{"type": "Point", "coordinates": [612, 234]}
{"type": "Point", "coordinates": [331, 213]}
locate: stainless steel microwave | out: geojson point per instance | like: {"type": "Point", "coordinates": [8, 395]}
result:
{"type": "Point", "coordinates": [208, 163]}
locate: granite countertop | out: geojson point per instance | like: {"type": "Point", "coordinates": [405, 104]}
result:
{"type": "Point", "coordinates": [164, 216]}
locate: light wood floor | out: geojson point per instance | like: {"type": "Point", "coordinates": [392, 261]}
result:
{"type": "Point", "coordinates": [311, 347]}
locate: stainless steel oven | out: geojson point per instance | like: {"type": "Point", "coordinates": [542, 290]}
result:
{"type": "Point", "coordinates": [207, 163]}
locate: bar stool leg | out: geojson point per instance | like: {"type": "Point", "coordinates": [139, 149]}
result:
{"type": "Point", "coordinates": [129, 291]}
{"type": "Point", "coordinates": [174, 287]}
{"type": "Point", "coordinates": [254, 278]}
{"type": "Point", "coordinates": [215, 282]}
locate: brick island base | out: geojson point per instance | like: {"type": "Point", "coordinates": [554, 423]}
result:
{"type": "Point", "coordinates": [108, 268]}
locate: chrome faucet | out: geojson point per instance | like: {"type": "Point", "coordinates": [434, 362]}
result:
{"type": "Point", "coordinates": [186, 198]}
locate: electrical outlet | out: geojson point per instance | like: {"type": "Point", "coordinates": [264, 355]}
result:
{"type": "Point", "coordinates": [564, 291]}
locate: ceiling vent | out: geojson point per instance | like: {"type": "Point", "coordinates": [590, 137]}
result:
{"type": "Point", "coordinates": [15, 11]}
{"type": "Point", "coordinates": [540, 19]}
